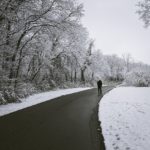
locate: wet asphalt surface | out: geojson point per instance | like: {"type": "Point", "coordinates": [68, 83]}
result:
{"type": "Point", "coordinates": [65, 123]}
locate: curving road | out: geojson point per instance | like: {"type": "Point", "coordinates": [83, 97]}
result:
{"type": "Point", "coordinates": [65, 123]}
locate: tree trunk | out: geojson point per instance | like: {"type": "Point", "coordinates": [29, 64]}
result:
{"type": "Point", "coordinates": [82, 75]}
{"type": "Point", "coordinates": [71, 76]}
{"type": "Point", "coordinates": [12, 73]}
{"type": "Point", "coordinates": [66, 76]}
{"type": "Point", "coordinates": [75, 76]}
{"type": "Point", "coordinates": [92, 75]}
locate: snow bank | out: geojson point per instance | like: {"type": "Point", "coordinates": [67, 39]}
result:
{"type": "Point", "coordinates": [36, 99]}
{"type": "Point", "coordinates": [125, 116]}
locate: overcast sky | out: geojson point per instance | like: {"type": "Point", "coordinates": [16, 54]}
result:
{"type": "Point", "coordinates": [116, 28]}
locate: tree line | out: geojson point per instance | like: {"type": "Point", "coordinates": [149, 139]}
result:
{"type": "Point", "coordinates": [43, 45]}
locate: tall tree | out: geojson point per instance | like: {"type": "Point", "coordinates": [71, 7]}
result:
{"type": "Point", "coordinates": [144, 11]}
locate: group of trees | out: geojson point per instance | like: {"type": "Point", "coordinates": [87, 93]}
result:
{"type": "Point", "coordinates": [44, 45]}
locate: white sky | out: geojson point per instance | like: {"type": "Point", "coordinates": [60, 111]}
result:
{"type": "Point", "coordinates": [116, 28]}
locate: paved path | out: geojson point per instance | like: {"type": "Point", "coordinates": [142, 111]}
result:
{"type": "Point", "coordinates": [65, 123]}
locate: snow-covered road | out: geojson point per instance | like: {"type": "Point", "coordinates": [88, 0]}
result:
{"type": "Point", "coordinates": [125, 116]}
{"type": "Point", "coordinates": [36, 99]}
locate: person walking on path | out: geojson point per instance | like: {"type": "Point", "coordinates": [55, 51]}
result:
{"type": "Point", "coordinates": [99, 86]}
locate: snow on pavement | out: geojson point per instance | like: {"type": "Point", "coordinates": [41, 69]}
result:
{"type": "Point", "coordinates": [125, 118]}
{"type": "Point", "coordinates": [36, 99]}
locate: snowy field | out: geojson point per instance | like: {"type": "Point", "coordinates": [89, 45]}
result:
{"type": "Point", "coordinates": [125, 116]}
{"type": "Point", "coordinates": [36, 99]}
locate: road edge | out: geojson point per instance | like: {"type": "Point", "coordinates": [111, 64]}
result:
{"type": "Point", "coordinates": [99, 127]}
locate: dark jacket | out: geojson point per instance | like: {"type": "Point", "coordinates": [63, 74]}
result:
{"type": "Point", "coordinates": [99, 84]}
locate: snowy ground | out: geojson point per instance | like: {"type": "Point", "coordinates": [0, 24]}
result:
{"type": "Point", "coordinates": [125, 116]}
{"type": "Point", "coordinates": [36, 99]}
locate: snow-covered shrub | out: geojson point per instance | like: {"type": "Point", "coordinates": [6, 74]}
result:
{"type": "Point", "coordinates": [46, 85]}
{"type": "Point", "coordinates": [66, 85]}
{"type": "Point", "coordinates": [2, 100]}
{"type": "Point", "coordinates": [138, 78]}
{"type": "Point", "coordinates": [7, 91]}
{"type": "Point", "coordinates": [25, 89]}
{"type": "Point", "coordinates": [10, 95]}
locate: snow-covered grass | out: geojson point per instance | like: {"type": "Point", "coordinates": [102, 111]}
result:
{"type": "Point", "coordinates": [36, 99]}
{"type": "Point", "coordinates": [125, 118]}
